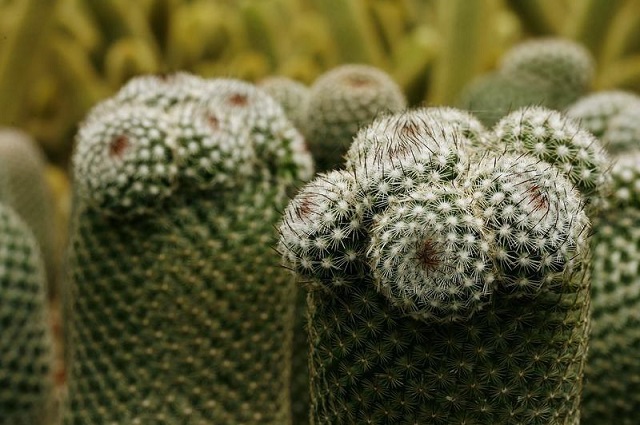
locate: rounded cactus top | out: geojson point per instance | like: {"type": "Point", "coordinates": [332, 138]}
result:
{"type": "Point", "coordinates": [292, 95]}
{"type": "Point", "coordinates": [561, 61]}
{"type": "Point", "coordinates": [131, 158]}
{"type": "Point", "coordinates": [595, 111]}
{"type": "Point", "coordinates": [161, 91]}
{"type": "Point", "coordinates": [554, 138]}
{"type": "Point", "coordinates": [122, 162]}
{"type": "Point", "coordinates": [342, 101]}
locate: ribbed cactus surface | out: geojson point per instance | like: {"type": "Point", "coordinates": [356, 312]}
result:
{"type": "Point", "coordinates": [179, 312]}
{"type": "Point", "coordinates": [26, 385]}
{"type": "Point", "coordinates": [445, 284]}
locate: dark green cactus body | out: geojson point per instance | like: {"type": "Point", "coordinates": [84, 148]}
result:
{"type": "Point", "coordinates": [179, 312]}
{"type": "Point", "coordinates": [446, 286]}
{"type": "Point", "coordinates": [517, 362]}
{"type": "Point", "coordinates": [612, 375]}
{"type": "Point", "coordinates": [26, 356]}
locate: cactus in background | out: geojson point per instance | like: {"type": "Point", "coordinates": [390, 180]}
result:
{"type": "Point", "coordinates": [545, 72]}
{"type": "Point", "coordinates": [444, 285]}
{"type": "Point", "coordinates": [26, 357]}
{"type": "Point", "coordinates": [598, 113]}
{"type": "Point", "coordinates": [341, 101]}
{"type": "Point", "coordinates": [292, 95]}
{"type": "Point", "coordinates": [612, 374]}
{"type": "Point", "coordinates": [29, 195]}
{"type": "Point", "coordinates": [178, 312]}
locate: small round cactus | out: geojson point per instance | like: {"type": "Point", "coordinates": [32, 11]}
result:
{"type": "Point", "coordinates": [552, 137]}
{"type": "Point", "coordinates": [444, 286]}
{"type": "Point", "coordinates": [178, 312]}
{"type": "Point", "coordinates": [292, 95]}
{"type": "Point", "coordinates": [595, 111]}
{"type": "Point", "coordinates": [341, 102]}
{"type": "Point", "coordinates": [23, 164]}
{"type": "Point", "coordinates": [26, 356]}
{"type": "Point", "coordinates": [549, 72]}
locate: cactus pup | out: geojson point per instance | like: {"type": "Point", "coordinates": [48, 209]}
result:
{"type": "Point", "coordinates": [445, 285]}
{"type": "Point", "coordinates": [178, 312]}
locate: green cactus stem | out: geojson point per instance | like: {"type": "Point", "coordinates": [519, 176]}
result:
{"type": "Point", "coordinates": [26, 355]}
{"type": "Point", "coordinates": [178, 312]}
{"type": "Point", "coordinates": [444, 285]}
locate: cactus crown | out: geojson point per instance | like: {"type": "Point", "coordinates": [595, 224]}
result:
{"type": "Point", "coordinates": [438, 229]}
{"type": "Point", "coordinates": [595, 111]}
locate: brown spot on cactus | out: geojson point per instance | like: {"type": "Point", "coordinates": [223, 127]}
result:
{"type": "Point", "coordinates": [359, 81]}
{"type": "Point", "coordinates": [213, 121]}
{"type": "Point", "coordinates": [428, 255]}
{"type": "Point", "coordinates": [238, 100]}
{"type": "Point", "coordinates": [118, 146]}
{"type": "Point", "coordinates": [538, 199]}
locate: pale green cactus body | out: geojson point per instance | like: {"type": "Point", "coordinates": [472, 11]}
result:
{"type": "Point", "coordinates": [548, 72]}
{"type": "Point", "coordinates": [27, 192]}
{"type": "Point", "coordinates": [595, 111]}
{"type": "Point", "coordinates": [342, 101]}
{"type": "Point", "coordinates": [178, 312]}
{"type": "Point", "coordinates": [26, 355]}
{"type": "Point", "coordinates": [292, 95]}
{"type": "Point", "coordinates": [492, 328]}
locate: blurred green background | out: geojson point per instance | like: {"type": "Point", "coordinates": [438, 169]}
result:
{"type": "Point", "coordinates": [58, 58]}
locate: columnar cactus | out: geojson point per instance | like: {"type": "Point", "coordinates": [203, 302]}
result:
{"type": "Point", "coordinates": [612, 374]}
{"type": "Point", "coordinates": [444, 285]}
{"type": "Point", "coordinates": [178, 312]}
{"type": "Point", "coordinates": [343, 100]}
{"type": "Point", "coordinates": [26, 356]}
{"type": "Point", "coordinates": [29, 195]}
{"type": "Point", "coordinates": [545, 72]}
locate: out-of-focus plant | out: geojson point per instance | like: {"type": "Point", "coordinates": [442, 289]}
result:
{"type": "Point", "coordinates": [73, 53]}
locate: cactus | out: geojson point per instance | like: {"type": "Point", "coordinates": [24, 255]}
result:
{"type": "Point", "coordinates": [545, 72]}
{"type": "Point", "coordinates": [444, 285]}
{"type": "Point", "coordinates": [178, 311]}
{"type": "Point", "coordinates": [29, 194]}
{"type": "Point", "coordinates": [341, 101]}
{"type": "Point", "coordinates": [26, 356]}
{"type": "Point", "coordinates": [612, 374]}
{"type": "Point", "coordinates": [610, 116]}
{"type": "Point", "coordinates": [292, 96]}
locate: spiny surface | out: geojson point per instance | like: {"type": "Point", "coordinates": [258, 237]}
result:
{"type": "Point", "coordinates": [342, 101]}
{"type": "Point", "coordinates": [595, 111]}
{"type": "Point", "coordinates": [26, 385]}
{"type": "Point", "coordinates": [29, 195]}
{"type": "Point", "coordinates": [491, 349]}
{"type": "Point", "coordinates": [179, 312]}
{"type": "Point", "coordinates": [292, 95]}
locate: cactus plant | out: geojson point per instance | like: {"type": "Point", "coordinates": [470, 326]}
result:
{"type": "Point", "coordinates": [341, 101]}
{"type": "Point", "coordinates": [292, 96]}
{"type": "Point", "coordinates": [26, 357]}
{"type": "Point", "coordinates": [29, 194]}
{"type": "Point", "coordinates": [178, 312]}
{"type": "Point", "coordinates": [549, 72]}
{"type": "Point", "coordinates": [612, 374]}
{"type": "Point", "coordinates": [445, 285]}
{"type": "Point", "coordinates": [610, 116]}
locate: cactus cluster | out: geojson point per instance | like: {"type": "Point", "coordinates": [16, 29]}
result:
{"type": "Point", "coordinates": [177, 309]}
{"type": "Point", "coordinates": [448, 283]}
{"type": "Point", "coordinates": [26, 356]}
{"type": "Point", "coordinates": [545, 72]}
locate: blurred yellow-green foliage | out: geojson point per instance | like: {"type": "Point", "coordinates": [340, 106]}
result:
{"type": "Point", "coordinates": [58, 58]}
